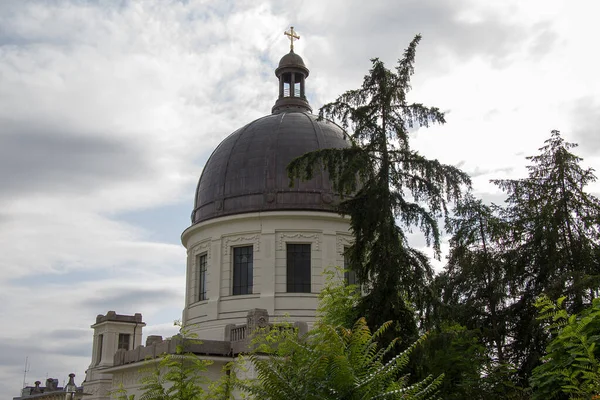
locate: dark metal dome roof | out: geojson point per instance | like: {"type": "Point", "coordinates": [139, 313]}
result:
{"type": "Point", "coordinates": [291, 59]}
{"type": "Point", "coordinates": [247, 171]}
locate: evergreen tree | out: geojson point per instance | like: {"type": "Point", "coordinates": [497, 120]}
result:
{"type": "Point", "coordinates": [477, 276]}
{"type": "Point", "coordinates": [555, 243]}
{"type": "Point", "coordinates": [469, 318]}
{"type": "Point", "coordinates": [556, 224]}
{"type": "Point", "coordinates": [457, 353]}
{"type": "Point", "coordinates": [388, 184]}
{"type": "Point", "coordinates": [544, 240]}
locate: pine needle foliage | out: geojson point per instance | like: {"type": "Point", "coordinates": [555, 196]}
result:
{"type": "Point", "coordinates": [387, 189]}
{"type": "Point", "coordinates": [553, 242]}
{"type": "Point", "coordinates": [477, 278]}
{"type": "Point", "coordinates": [556, 224]}
{"type": "Point", "coordinates": [544, 240]}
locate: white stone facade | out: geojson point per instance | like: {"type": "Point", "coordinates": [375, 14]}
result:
{"type": "Point", "coordinates": [268, 233]}
{"type": "Point", "coordinates": [107, 329]}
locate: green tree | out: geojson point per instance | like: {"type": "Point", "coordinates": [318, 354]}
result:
{"type": "Point", "coordinates": [331, 361]}
{"type": "Point", "coordinates": [474, 292]}
{"type": "Point", "coordinates": [181, 376]}
{"type": "Point", "coordinates": [337, 302]}
{"type": "Point", "coordinates": [476, 289]}
{"type": "Point", "coordinates": [544, 240]}
{"type": "Point", "coordinates": [457, 353]}
{"type": "Point", "coordinates": [554, 243]}
{"type": "Point", "coordinates": [388, 189]}
{"type": "Point", "coordinates": [571, 367]}
{"type": "Point", "coordinates": [176, 376]}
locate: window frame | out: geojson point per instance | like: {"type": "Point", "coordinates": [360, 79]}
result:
{"type": "Point", "coordinates": [201, 271]}
{"type": "Point", "coordinates": [295, 281]}
{"type": "Point", "coordinates": [349, 275]}
{"type": "Point", "coordinates": [120, 341]}
{"type": "Point", "coordinates": [242, 288]}
{"type": "Point", "coordinates": [99, 348]}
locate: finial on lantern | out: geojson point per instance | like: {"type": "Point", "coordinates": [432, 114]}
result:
{"type": "Point", "coordinates": [292, 35]}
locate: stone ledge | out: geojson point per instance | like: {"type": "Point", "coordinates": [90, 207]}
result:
{"type": "Point", "coordinates": [237, 341]}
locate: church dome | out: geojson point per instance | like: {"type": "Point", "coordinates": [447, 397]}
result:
{"type": "Point", "coordinates": [291, 59]}
{"type": "Point", "coordinates": [247, 171]}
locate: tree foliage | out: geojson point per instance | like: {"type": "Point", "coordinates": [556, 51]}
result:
{"type": "Point", "coordinates": [457, 353]}
{"type": "Point", "coordinates": [571, 367]}
{"type": "Point", "coordinates": [555, 224]}
{"type": "Point", "coordinates": [182, 375]}
{"type": "Point", "coordinates": [544, 240]}
{"type": "Point", "coordinates": [332, 361]}
{"type": "Point", "coordinates": [476, 276]}
{"type": "Point", "coordinates": [337, 302]}
{"type": "Point", "coordinates": [554, 243]}
{"type": "Point", "coordinates": [392, 189]}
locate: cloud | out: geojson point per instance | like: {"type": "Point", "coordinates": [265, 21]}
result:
{"type": "Point", "coordinates": [490, 173]}
{"type": "Point", "coordinates": [109, 111]}
{"type": "Point", "coordinates": [36, 159]}
{"type": "Point", "coordinates": [131, 298]}
{"type": "Point", "coordinates": [68, 334]}
{"type": "Point", "coordinates": [585, 117]}
{"type": "Point", "coordinates": [460, 30]}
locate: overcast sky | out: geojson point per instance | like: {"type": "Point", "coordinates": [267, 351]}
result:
{"type": "Point", "coordinates": [109, 109]}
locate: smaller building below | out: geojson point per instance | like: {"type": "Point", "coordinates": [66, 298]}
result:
{"type": "Point", "coordinates": [51, 391]}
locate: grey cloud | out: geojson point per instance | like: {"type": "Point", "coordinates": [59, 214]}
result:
{"type": "Point", "coordinates": [585, 120]}
{"type": "Point", "coordinates": [68, 334]}
{"type": "Point", "coordinates": [391, 25]}
{"type": "Point", "coordinates": [477, 171]}
{"type": "Point", "coordinates": [14, 351]}
{"type": "Point", "coordinates": [492, 198]}
{"type": "Point", "coordinates": [545, 38]}
{"type": "Point", "coordinates": [129, 299]}
{"type": "Point", "coordinates": [37, 157]}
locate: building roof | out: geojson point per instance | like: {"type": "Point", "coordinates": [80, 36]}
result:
{"type": "Point", "coordinates": [247, 171]}
{"type": "Point", "coordinates": [291, 59]}
{"type": "Point", "coordinates": [114, 317]}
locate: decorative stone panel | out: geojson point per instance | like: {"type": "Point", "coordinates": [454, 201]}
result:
{"type": "Point", "coordinates": [344, 241]}
{"type": "Point", "coordinates": [200, 248]}
{"type": "Point", "coordinates": [313, 237]}
{"type": "Point", "coordinates": [229, 241]}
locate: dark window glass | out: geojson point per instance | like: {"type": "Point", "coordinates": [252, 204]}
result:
{"type": "Point", "coordinates": [201, 268]}
{"type": "Point", "coordinates": [242, 270]}
{"type": "Point", "coordinates": [349, 275]}
{"type": "Point", "coordinates": [298, 268]}
{"type": "Point", "coordinates": [99, 358]}
{"type": "Point", "coordinates": [123, 341]}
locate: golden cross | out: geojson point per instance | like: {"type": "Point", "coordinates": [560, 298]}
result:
{"type": "Point", "coordinates": [292, 35]}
